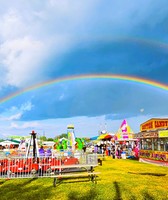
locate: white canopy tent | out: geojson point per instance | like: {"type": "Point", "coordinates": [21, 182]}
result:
{"type": "Point", "coordinates": [8, 143]}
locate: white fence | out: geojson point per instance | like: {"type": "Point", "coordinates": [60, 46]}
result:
{"type": "Point", "coordinates": [22, 167]}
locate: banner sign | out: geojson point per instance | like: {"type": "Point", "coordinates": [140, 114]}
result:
{"type": "Point", "coordinates": [153, 124]}
{"type": "Point", "coordinates": [154, 155]}
{"type": "Point", "coordinates": [163, 133]}
{"type": "Point", "coordinates": [153, 134]}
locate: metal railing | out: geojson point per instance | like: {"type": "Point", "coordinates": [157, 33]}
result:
{"type": "Point", "coordinates": [45, 166]}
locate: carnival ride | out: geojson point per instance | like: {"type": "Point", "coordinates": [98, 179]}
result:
{"type": "Point", "coordinates": [45, 164]}
{"type": "Point", "coordinates": [35, 162]}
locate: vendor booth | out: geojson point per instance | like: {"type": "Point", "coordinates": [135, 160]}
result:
{"type": "Point", "coordinates": [124, 139]}
{"type": "Point", "coordinates": [124, 132]}
{"type": "Point", "coordinates": [153, 140]}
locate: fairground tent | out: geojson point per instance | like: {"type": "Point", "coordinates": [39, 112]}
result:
{"type": "Point", "coordinates": [7, 142]}
{"type": "Point", "coordinates": [124, 132]}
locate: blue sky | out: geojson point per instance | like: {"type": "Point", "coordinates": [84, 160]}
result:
{"type": "Point", "coordinates": [45, 40]}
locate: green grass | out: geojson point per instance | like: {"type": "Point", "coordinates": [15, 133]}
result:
{"type": "Point", "coordinates": [119, 179]}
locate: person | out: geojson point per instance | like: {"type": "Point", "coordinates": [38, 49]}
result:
{"type": "Point", "coordinates": [84, 148]}
{"type": "Point", "coordinates": [113, 151]}
{"type": "Point", "coordinates": [101, 149]}
{"type": "Point", "coordinates": [109, 150]}
{"type": "Point", "coordinates": [136, 151]}
{"type": "Point", "coordinates": [166, 146]}
{"type": "Point", "coordinates": [118, 152]}
{"type": "Point", "coordinates": [129, 149]}
{"type": "Point", "coordinates": [104, 149]}
{"type": "Point", "coordinates": [48, 152]}
{"type": "Point", "coordinates": [11, 146]}
{"type": "Point", "coordinates": [95, 148]}
{"type": "Point", "coordinates": [41, 151]}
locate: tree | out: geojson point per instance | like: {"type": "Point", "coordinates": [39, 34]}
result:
{"type": "Point", "coordinates": [50, 139]}
{"type": "Point", "coordinates": [86, 139]}
{"type": "Point", "coordinates": [61, 136]}
{"type": "Point", "coordinates": [43, 138]}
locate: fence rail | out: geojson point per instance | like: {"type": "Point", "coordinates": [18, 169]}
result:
{"type": "Point", "coordinates": [50, 166]}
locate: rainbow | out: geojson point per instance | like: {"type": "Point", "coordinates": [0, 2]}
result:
{"type": "Point", "coordinates": [86, 77]}
{"type": "Point", "coordinates": [145, 41]}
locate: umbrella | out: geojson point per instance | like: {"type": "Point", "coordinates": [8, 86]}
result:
{"type": "Point", "coordinates": [94, 138]}
{"type": "Point", "coordinates": [105, 136]}
{"type": "Point", "coordinates": [108, 137]}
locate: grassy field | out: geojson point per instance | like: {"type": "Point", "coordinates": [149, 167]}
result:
{"type": "Point", "coordinates": [119, 179]}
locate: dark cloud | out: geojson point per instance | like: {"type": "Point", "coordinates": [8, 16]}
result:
{"type": "Point", "coordinates": [119, 37]}
{"type": "Point", "coordinates": [96, 98]}
{"type": "Point", "coordinates": [129, 56]}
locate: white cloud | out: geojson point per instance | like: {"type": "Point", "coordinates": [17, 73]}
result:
{"type": "Point", "coordinates": [21, 59]}
{"type": "Point", "coordinates": [12, 25]}
{"type": "Point", "coordinates": [24, 125]}
{"type": "Point", "coordinates": [14, 125]}
{"type": "Point", "coordinates": [15, 113]}
{"type": "Point", "coordinates": [61, 97]}
{"type": "Point", "coordinates": [5, 135]}
{"type": "Point", "coordinates": [11, 117]}
{"type": "Point", "coordinates": [15, 117]}
{"type": "Point", "coordinates": [26, 41]}
{"type": "Point", "coordinates": [26, 106]}
{"type": "Point", "coordinates": [142, 110]}
{"type": "Point", "coordinates": [30, 125]}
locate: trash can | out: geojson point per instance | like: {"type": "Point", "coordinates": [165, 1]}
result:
{"type": "Point", "coordinates": [123, 155]}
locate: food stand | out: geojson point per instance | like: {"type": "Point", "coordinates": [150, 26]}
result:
{"type": "Point", "coordinates": [124, 139]}
{"type": "Point", "coordinates": [153, 140]}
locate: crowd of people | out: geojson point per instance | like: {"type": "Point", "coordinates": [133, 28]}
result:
{"type": "Point", "coordinates": [126, 149]}
{"type": "Point", "coordinates": [117, 150]}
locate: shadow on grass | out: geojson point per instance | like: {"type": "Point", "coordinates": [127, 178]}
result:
{"type": "Point", "coordinates": [2, 182]}
{"type": "Point", "coordinates": [147, 196]}
{"type": "Point", "coordinates": [66, 180]}
{"type": "Point", "coordinates": [150, 174]}
{"type": "Point", "coordinates": [25, 189]}
{"type": "Point", "coordinates": [28, 181]}
{"type": "Point", "coordinates": [90, 195]}
{"type": "Point", "coordinates": [118, 192]}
